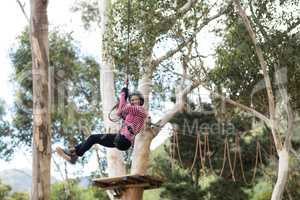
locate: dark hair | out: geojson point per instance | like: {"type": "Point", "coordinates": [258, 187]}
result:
{"type": "Point", "coordinates": [139, 95]}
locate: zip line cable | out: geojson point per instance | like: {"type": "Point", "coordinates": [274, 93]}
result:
{"type": "Point", "coordinates": [112, 115]}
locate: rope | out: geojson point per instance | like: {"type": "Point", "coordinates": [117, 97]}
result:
{"type": "Point", "coordinates": [205, 151]}
{"type": "Point", "coordinates": [225, 157]}
{"type": "Point", "coordinates": [209, 153]}
{"type": "Point", "coordinates": [272, 148]}
{"type": "Point", "coordinates": [258, 156]}
{"type": "Point", "coordinates": [196, 153]}
{"type": "Point", "coordinates": [178, 151]}
{"type": "Point", "coordinates": [172, 149]}
{"type": "Point", "coordinates": [110, 114]}
{"type": "Point", "coordinates": [240, 158]}
{"type": "Point", "coordinates": [127, 60]}
{"type": "Point", "coordinates": [235, 154]}
{"type": "Point", "coordinates": [128, 42]}
{"type": "Point", "coordinates": [238, 152]}
{"type": "Point", "coordinates": [229, 160]}
{"type": "Point", "coordinates": [202, 155]}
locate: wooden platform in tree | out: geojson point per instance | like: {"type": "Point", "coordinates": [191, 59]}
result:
{"type": "Point", "coordinates": [128, 181]}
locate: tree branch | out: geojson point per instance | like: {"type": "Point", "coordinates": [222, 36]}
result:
{"type": "Point", "coordinates": [256, 20]}
{"type": "Point", "coordinates": [181, 11]}
{"type": "Point", "coordinates": [248, 109]}
{"type": "Point", "coordinates": [261, 58]}
{"type": "Point", "coordinates": [188, 40]}
{"type": "Point", "coordinates": [297, 156]}
{"type": "Point", "coordinates": [264, 67]}
{"type": "Point", "coordinates": [280, 81]}
{"type": "Point", "coordinates": [178, 106]}
{"type": "Point", "coordinates": [241, 106]}
{"type": "Point", "coordinates": [186, 7]}
{"type": "Point", "coordinates": [23, 10]}
{"type": "Point", "coordinates": [293, 26]}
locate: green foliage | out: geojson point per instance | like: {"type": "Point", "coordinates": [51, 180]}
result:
{"type": "Point", "coordinates": [2, 109]}
{"type": "Point", "coordinates": [90, 12]}
{"type": "Point", "coordinates": [206, 183]}
{"type": "Point", "coordinates": [153, 194]}
{"type": "Point", "coordinates": [292, 188]}
{"type": "Point", "coordinates": [238, 69]}
{"type": "Point", "coordinates": [136, 34]}
{"type": "Point", "coordinates": [72, 191]}
{"type": "Point", "coordinates": [74, 90]}
{"type": "Point", "coordinates": [5, 130]}
{"type": "Point", "coordinates": [225, 190]}
{"type": "Point", "coordinates": [152, 24]}
{"type": "Point", "coordinates": [4, 191]}
{"type": "Point", "coordinates": [261, 191]}
{"type": "Point", "coordinates": [6, 194]}
{"type": "Point", "coordinates": [179, 183]}
{"type": "Point", "coordinates": [205, 124]}
{"type": "Point", "coordinates": [19, 196]}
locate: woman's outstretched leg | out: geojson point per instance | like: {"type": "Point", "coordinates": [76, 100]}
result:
{"type": "Point", "coordinates": [106, 140]}
{"type": "Point", "coordinates": [71, 155]}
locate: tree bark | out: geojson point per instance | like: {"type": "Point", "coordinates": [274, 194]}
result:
{"type": "Point", "coordinates": [140, 161]}
{"type": "Point", "coordinates": [141, 150]}
{"type": "Point", "coordinates": [114, 157]}
{"type": "Point", "coordinates": [282, 175]}
{"type": "Point", "coordinates": [282, 149]}
{"type": "Point", "coordinates": [41, 147]}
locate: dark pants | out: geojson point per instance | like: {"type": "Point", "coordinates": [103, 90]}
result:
{"type": "Point", "coordinates": [108, 140]}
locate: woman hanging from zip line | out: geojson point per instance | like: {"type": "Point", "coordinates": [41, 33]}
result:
{"type": "Point", "coordinates": [133, 115]}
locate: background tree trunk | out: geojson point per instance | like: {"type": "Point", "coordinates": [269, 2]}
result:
{"type": "Point", "coordinates": [41, 145]}
{"type": "Point", "coordinates": [282, 149]}
{"type": "Point", "coordinates": [282, 175]}
{"type": "Point", "coordinates": [114, 157]}
{"type": "Point", "coordinates": [141, 150]}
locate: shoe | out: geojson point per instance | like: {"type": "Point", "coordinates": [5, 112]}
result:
{"type": "Point", "coordinates": [68, 155]}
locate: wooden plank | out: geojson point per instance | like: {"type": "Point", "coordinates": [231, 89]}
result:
{"type": "Point", "coordinates": [115, 178]}
{"type": "Point", "coordinates": [127, 186]}
{"type": "Point", "coordinates": [129, 181]}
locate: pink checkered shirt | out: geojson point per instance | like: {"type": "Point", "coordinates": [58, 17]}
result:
{"type": "Point", "coordinates": [134, 117]}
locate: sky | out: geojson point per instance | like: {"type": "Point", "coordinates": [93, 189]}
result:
{"type": "Point", "coordinates": [13, 22]}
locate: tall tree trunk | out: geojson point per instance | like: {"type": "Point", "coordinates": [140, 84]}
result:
{"type": "Point", "coordinates": [140, 161]}
{"type": "Point", "coordinates": [141, 150]}
{"type": "Point", "coordinates": [282, 175]}
{"type": "Point", "coordinates": [114, 157]}
{"type": "Point", "coordinates": [282, 150]}
{"type": "Point", "coordinates": [41, 148]}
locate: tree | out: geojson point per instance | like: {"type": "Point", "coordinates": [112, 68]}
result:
{"type": "Point", "coordinates": [237, 68]}
{"type": "Point", "coordinates": [154, 23]}
{"type": "Point", "coordinates": [142, 32]}
{"type": "Point", "coordinates": [115, 165]}
{"type": "Point", "coordinates": [41, 148]}
{"type": "Point", "coordinates": [74, 89]}
{"type": "Point", "coordinates": [271, 118]}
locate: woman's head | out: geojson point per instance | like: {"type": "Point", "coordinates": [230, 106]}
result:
{"type": "Point", "coordinates": [136, 98]}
